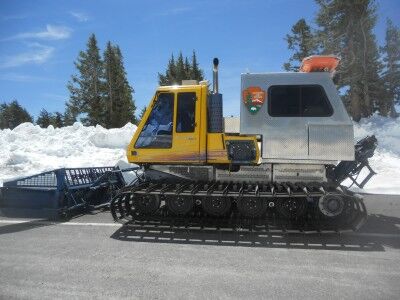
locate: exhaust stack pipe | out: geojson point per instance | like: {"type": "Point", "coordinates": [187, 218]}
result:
{"type": "Point", "coordinates": [215, 75]}
{"type": "Point", "coordinates": [214, 104]}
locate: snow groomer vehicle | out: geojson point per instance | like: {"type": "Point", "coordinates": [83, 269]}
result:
{"type": "Point", "coordinates": [284, 167]}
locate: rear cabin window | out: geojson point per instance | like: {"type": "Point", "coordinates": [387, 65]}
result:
{"type": "Point", "coordinates": [185, 119]}
{"type": "Point", "coordinates": [298, 101]}
{"type": "Point", "coordinates": [157, 132]}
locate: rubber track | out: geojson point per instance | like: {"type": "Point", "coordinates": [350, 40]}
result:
{"type": "Point", "coordinates": [354, 216]}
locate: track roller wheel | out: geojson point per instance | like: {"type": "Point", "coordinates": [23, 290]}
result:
{"type": "Point", "coordinates": [147, 204]}
{"type": "Point", "coordinates": [180, 205]}
{"type": "Point", "coordinates": [217, 206]}
{"type": "Point", "coordinates": [331, 205]}
{"type": "Point", "coordinates": [292, 208]}
{"type": "Point", "coordinates": [340, 212]}
{"type": "Point", "coordinates": [251, 206]}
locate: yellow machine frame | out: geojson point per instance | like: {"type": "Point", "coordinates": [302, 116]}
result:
{"type": "Point", "coordinates": [198, 147]}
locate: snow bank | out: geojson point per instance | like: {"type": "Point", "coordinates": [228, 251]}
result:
{"type": "Point", "coordinates": [386, 161]}
{"type": "Point", "coordinates": [29, 149]}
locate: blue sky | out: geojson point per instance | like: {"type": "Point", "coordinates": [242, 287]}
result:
{"type": "Point", "coordinates": [39, 40]}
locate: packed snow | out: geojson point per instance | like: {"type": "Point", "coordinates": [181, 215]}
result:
{"type": "Point", "coordinates": [386, 160]}
{"type": "Point", "coordinates": [29, 149]}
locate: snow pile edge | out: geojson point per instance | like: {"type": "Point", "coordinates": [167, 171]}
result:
{"type": "Point", "coordinates": [28, 149]}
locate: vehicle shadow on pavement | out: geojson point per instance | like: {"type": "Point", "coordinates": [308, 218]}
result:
{"type": "Point", "coordinates": [379, 232]}
{"type": "Point", "coordinates": [28, 225]}
{"type": "Point", "coordinates": [39, 221]}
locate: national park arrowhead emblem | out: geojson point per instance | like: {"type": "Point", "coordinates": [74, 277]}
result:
{"type": "Point", "coordinates": [253, 98]}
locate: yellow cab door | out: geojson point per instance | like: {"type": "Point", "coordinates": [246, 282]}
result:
{"type": "Point", "coordinates": [186, 140]}
{"type": "Point", "coordinates": [171, 132]}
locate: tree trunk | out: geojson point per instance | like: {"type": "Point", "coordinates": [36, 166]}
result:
{"type": "Point", "coordinates": [367, 100]}
{"type": "Point", "coordinates": [355, 106]}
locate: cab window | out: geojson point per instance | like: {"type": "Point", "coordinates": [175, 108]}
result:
{"type": "Point", "coordinates": [157, 132]}
{"type": "Point", "coordinates": [298, 101]}
{"type": "Point", "coordinates": [185, 119]}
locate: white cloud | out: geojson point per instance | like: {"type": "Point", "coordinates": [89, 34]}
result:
{"type": "Point", "coordinates": [56, 97]}
{"type": "Point", "coordinates": [52, 32]}
{"type": "Point", "coordinates": [174, 11]}
{"type": "Point", "coordinates": [80, 16]}
{"type": "Point", "coordinates": [21, 77]}
{"type": "Point", "coordinates": [38, 54]}
{"type": "Point", "coordinates": [14, 17]}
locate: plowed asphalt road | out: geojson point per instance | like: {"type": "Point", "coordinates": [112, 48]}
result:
{"type": "Point", "coordinates": [91, 257]}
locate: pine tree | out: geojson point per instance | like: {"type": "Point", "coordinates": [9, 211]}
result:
{"type": "Point", "coordinates": [57, 120]}
{"type": "Point", "coordinates": [302, 42]}
{"type": "Point", "coordinates": [170, 74]}
{"type": "Point", "coordinates": [181, 69]}
{"type": "Point", "coordinates": [391, 73]}
{"type": "Point", "coordinates": [74, 107]}
{"type": "Point", "coordinates": [110, 71]}
{"type": "Point", "coordinates": [13, 114]}
{"type": "Point", "coordinates": [68, 117]}
{"type": "Point", "coordinates": [197, 73]}
{"type": "Point", "coordinates": [120, 107]}
{"type": "Point", "coordinates": [44, 119]}
{"type": "Point", "coordinates": [346, 30]}
{"type": "Point", "coordinates": [126, 107]}
{"type": "Point", "coordinates": [187, 68]}
{"type": "Point", "coordinates": [86, 88]}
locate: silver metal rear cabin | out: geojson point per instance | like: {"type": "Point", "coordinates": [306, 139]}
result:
{"type": "Point", "coordinates": [301, 121]}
